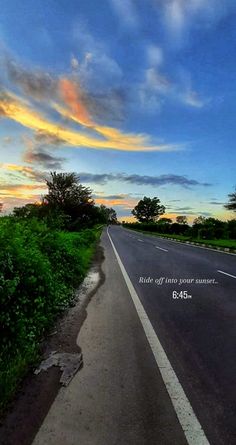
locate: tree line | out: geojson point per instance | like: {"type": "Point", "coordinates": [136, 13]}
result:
{"type": "Point", "coordinates": [149, 210]}
{"type": "Point", "coordinates": [67, 204]}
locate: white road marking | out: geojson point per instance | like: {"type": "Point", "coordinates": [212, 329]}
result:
{"type": "Point", "coordinates": [141, 241]}
{"type": "Point", "coordinates": [190, 245]}
{"type": "Point", "coordinates": [187, 418]}
{"type": "Point", "coordinates": [225, 273]}
{"type": "Point", "coordinates": [165, 250]}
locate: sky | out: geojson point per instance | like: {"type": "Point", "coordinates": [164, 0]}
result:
{"type": "Point", "coordinates": [137, 97]}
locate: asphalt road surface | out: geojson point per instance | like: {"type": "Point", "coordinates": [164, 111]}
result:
{"type": "Point", "coordinates": [159, 350]}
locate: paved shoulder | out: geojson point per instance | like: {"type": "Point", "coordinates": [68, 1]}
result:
{"type": "Point", "coordinates": [119, 396]}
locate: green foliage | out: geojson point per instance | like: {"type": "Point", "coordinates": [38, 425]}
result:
{"type": "Point", "coordinates": [107, 215]}
{"type": "Point", "coordinates": [148, 210]}
{"type": "Point", "coordinates": [67, 205]}
{"type": "Point", "coordinates": [67, 195]}
{"type": "Point", "coordinates": [203, 229]}
{"type": "Point", "coordinates": [39, 269]}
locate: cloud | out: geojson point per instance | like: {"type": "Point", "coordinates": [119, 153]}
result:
{"type": "Point", "coordinates": [124, 201]}
{"type": "Point", "coordinates": [191, 98]}
{"type": "Point", "coordinates": [182, 15]}
{"type": "Point", "coordinates": [154, 55]}
{"type": "Point", "coordinates": [97, 69]}
{"type": "Point", "coordinates": [13, 108]}
{"type": "Point", "coordinates": [101, 195]}
{"type": "Point", "coordinates": [216, 203]}
{"type": "Point", "coordinates": [182, 181]}
{"type": "Point", "coordinates": [46, 138]}
{"type": "Point", "coordinates": [156, 88]}
{"type": "Point", "coordinates": [43, 158]}
{"type": "Point", "coordinates": [22, 191]}
{"type": "Point", "coordinates": [11, 201]}
{"type": "Point", "coordinates": [183, 208]}
{"type": "Point", "coordinates": [25, 172]}
{"type": "Point", "coordinates": [194, 213]}
{"type": "Point", "coordinates": [38, 84]}
{"type": "Point", "coordinates": [7, 140]}
{"type": "Point", "coordinates": [126, 12]}
{"type": "Point", "coordinates": [127, 204]}
{"type": "Point", "coordinates": [156, 81]}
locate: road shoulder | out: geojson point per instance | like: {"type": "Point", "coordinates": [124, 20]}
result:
{"type": "Point", "coordinates": [119, 395]}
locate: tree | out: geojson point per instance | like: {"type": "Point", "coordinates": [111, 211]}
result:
{"type": "Point", "coordinates": [67, 195]}
{"type": "Point", "coordinates": [165, 221]}
{"type": "Point", "coordinates": [181, 219]}
{"type": "Point", "coordinates": [231, 205]}
{"type": "Point", "coordinates": [27, 211]}
{"type": "Point", "coordinates": [199, 220]}
{"type": "Point", "coordinates": [1, 206]}
{"type": "Point", "coordinates": [148, 210]}
{"type": "Point", "coordinates": [107, 215]}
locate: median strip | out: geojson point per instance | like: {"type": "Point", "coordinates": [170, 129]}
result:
{"type": "Point", "coordinates": [225, 273]}
{"type": "Point", "coordinates": [192, 429]}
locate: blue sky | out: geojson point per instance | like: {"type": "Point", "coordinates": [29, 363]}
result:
{"type": "Point", "coordinates": [137, 97]}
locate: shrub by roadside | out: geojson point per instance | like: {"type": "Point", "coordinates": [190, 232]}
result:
{"type": "Point", "coordinates": [39, 270]}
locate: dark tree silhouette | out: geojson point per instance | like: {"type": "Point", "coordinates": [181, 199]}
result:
{"type": "Point", "coordinates": [148, 209]}
{"type": "Point", "coordinates": [181, 219]}
{"type": "Point", "coordinates": [67, 195]}
{"type": "Point", "coordinates": [231, 205]}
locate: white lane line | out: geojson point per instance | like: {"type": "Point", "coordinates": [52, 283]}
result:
{"type": "Point", "coordinates": [225, 273]}
{"type": "Point", "coordinates": [141, 241]}
{"type": "Point", "coordinates": [199, 247]}
{"type": "Point", "coordinates": [187, 418]}
{"type": "Point", "coordinates": [191, 245]}
{"type": "Point", "coordinates": [165, 250]}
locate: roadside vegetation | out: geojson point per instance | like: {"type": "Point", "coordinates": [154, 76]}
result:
{"type": "Point", "coordinates": [209, 231]}
{"type": "Point", "coordinates": [46, 250]}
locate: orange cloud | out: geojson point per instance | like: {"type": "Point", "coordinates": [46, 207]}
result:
{"type": "Point", "coordinates": [24, 191]}
{"type": "Point", "coordinates": [72, 96]}
{"type": "Point", "coordinates": [19, 112]}
{"type": "Point", "coordinates": [126, 203]}
{"type": "Point", "coordinates": [128, 219]}
{"type": "Point", "coordinates": [27, 172]}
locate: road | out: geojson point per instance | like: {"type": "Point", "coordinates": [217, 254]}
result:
{"type": "Point", "coordinates": [151, 359]}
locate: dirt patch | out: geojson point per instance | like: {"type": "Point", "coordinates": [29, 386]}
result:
{"type": "Point", "coordinates": [37, 392]}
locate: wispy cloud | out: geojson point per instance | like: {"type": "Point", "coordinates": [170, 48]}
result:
{"type": "Point", "coordinates": [126, 12]}
{"type": "Point", "coordinates": [21, 191]}
{"type": "Point", "coordinates": [16, 110]}
{"type": "Point", "coordinates": [192, 98]}
{"type": "Point", "coordinates": [182, 15]}
{"type": "Point", "coordinates": [182, 181]}
{"type": "Point", "coordinates": [35, 83]}
{"type": "Point", "coordinates": [155, 56]}
{"type": "Point", "coordinates": [26, 172]}
{"type": "Point", "coordinates": [215, 203]}
{"type": "Point", "coordinates": [157, 88]}
{"type": "Point", "coordinates": [43, 158]}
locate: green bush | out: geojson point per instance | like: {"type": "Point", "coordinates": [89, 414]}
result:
{"type": "Point", "coordinates": [39, 269]}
